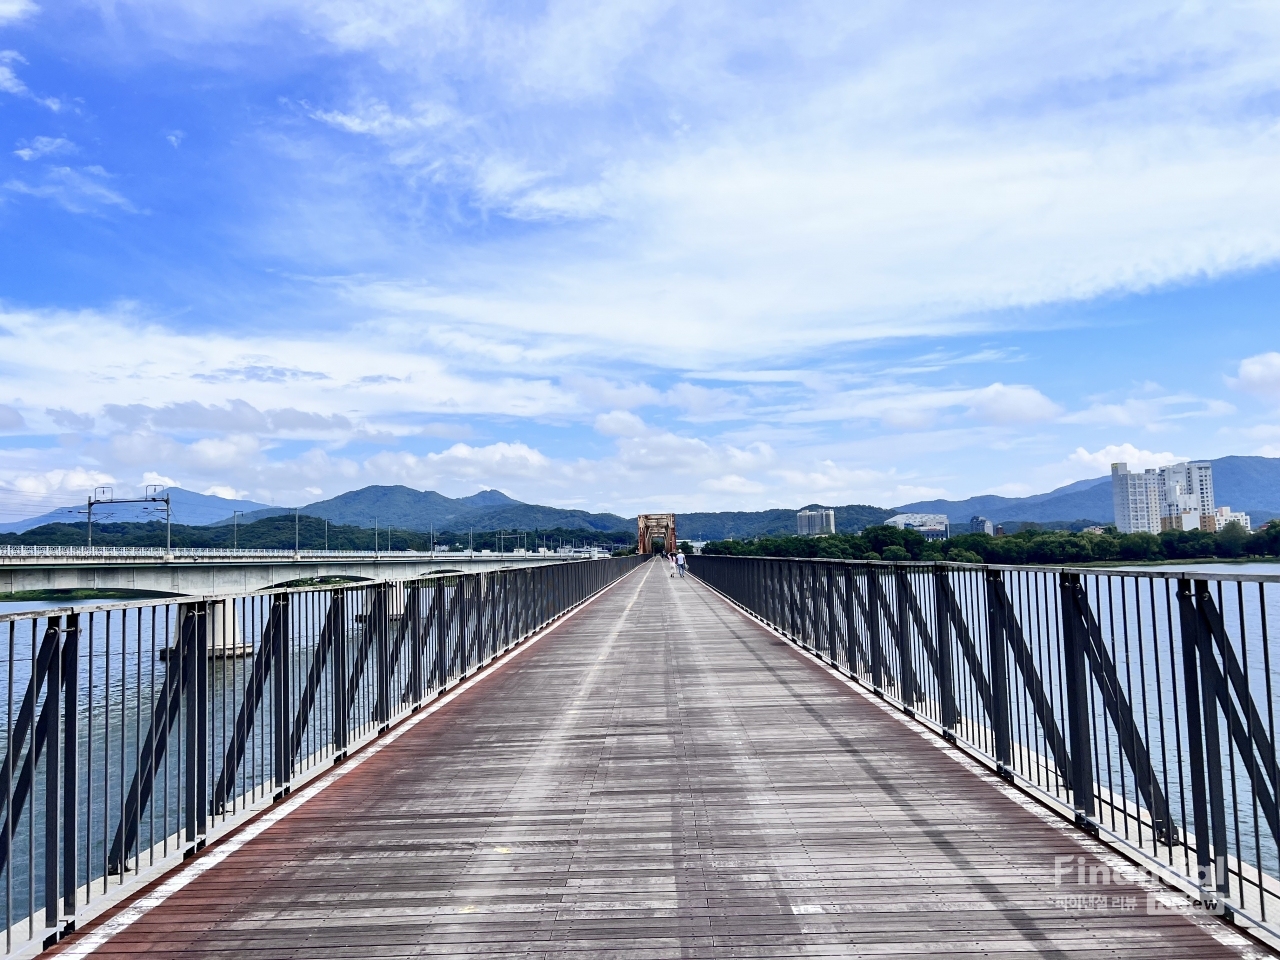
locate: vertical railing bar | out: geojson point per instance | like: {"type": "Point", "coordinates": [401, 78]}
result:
{"type": "Point", "coordinates": [1170, 835]}
{"type": "Point", "coordinates": [70, 769]}
{"type": "Point", "coordinates": [1251, 760]}
{"type": "Point", "coordinates": [8, 790]}
{"type": "Point", "coordinates": [137, 729]}
{"type": "Point", "coordinates": [1177, 715]}
{"type": "Point", "coordinates": [106, 749]}
{"type": "Point", "coordinates": [1229, 705]}
{"type": "Point", "coordinates": [1124, 788]}
{"type": "Point", "coordinates": [1106, 724]}
{"type": "Point", "coordinates": [31, 778]}
{"type": "Point", "coordinates": [151, 735]}
{"type": "Point", "coordinates": [88, 764]}
{"type": "Point", "coordinates": [1271, 725]}
{"type": "Point", "coordinates": [1093, 711]}
{"type": "Point", "coordinates": [1146, 708]}
{"type": "Point", "coordinates": [1057, 668]}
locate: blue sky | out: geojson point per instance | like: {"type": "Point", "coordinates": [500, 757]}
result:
{"type": "Point", "coordinates": [632, 256]}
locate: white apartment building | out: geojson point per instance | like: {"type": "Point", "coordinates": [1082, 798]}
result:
{"type": "Point", "coordinates": [814, 523]}
{"type": "Point", "coordinates": [1174, 497]}
{"type": "Point", "coordinates": [1224, 515]}
{"type": "Point", "coordinates": [932, 526]}
{"type": "Point", "coordinates": [1136, 498]}
{"type": "Point", "coordinates": [1186, 497]}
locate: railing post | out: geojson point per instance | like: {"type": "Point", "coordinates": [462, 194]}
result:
{"type": "Point", "coordinates": [831, 612]}
{"type": "Point", "coordinates": [382, 652]}
{"type": "Point", "coordinates": [338, 688]}
{"type": "Point", "coordinates": [280, 687]}
{"type": "Point", "coordinates": [440, 667]}
{"type": "Point", "coordinates": [849, 620]}
{"type": "Point", "coordinates": [1075, 636]}
{"type": "Point", "coordinates": [942, 631]}
{"type": "Point", "coordinates": [52, 716]}
{"type": "Point", "coordinates": [1212, 692]}
{"type": "Point", "coordinates": [416, 643]}
{"type": "Point", "coordinates": [1189, 621]}
{"type": "Point", "coordinates": [187, 655]}
{"type": "Point", "coordinates": [996, 627]}
{"type": "Point", "coordinates": [70, 783]}
{"type": "Point", "coordinates": [873, 629]}
{"type": "Point", "coordinates": [906, 668]}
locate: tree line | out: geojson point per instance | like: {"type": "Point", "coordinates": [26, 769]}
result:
{"type": "Point", "coordinates": [277, 533]}
{"type": "Point", "coordinates": [1028, 546]}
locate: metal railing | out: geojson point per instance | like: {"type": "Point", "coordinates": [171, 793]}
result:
{"type": "Point", "coordinates": [135, 731]}
{"type": "Point", "coordinates": [1144, 704]}
{"type": "Point", "coordinates": [19, 551]}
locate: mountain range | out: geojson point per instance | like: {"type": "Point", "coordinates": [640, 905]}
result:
{"type": "Point", "coordinates": [1251, 484]}
{"type": "Point", "coordinates": [410, 509]}
{"type": "Point", "coordinates": [194, 509]}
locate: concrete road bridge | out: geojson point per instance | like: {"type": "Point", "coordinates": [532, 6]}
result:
{"type": "Point", "coordinates": [206, 572]}
{"type": "Point", "coordinates": [767, 758]}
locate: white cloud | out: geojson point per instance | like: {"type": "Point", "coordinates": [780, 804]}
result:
{"type": "Point", "coordinates": [489, 465]}
{"type": "Point", "coordinates": [152, 479]}
{"type": "Point", "coordinates": [175, 138]}
{"type": "Point", "coordinates": [1259, 375]}
{"type": "Point", "coordinates": [11, 10]}
{"type": "Point", "coordinates": [621, 423]}
{"type": "Point", "coordinates": [75, 480]}
{"type": "Point", "coordinates": [910, 407]}
{"type": "Point", "coordinates": [1152, 410]}
{"type": "Point", "coordinates": [377, 119]}
{"type": "Point", "coordinates": [38, 147]}
{"type": "Point", "coordinates": [707, 192]}
{"type": "Point", "coordinates": [1016, 403]}
{"type": "Point", "coordinates": [10, 82]}
{"type": "Point", "coordinates": [82, 190]}
{"type": "Point", "coordinates": [231, 493]}
{"type": "Point", "coordinates": [731, 483]}
{"type": "Point", "coordinates": [1100, 461]}
{"type": "Point", "coordinates": [756, 184]}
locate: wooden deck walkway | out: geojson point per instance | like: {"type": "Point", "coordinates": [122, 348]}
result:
{"type": "Point", "coordinates": [659, 777]}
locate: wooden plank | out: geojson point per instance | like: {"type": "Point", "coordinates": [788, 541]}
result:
{"type": "Point", "coordinates": [659, 777]}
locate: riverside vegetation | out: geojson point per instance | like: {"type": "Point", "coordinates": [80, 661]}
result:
{"type": "Point", "coordinates": [1029, 545]}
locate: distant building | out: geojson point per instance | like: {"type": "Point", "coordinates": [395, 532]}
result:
{"type": "Point", "coordinates": [1224, 515]}
{"type": "Point", "coordinates": [1136, 498]}
{"type": "Point", "coordinates": [1186, 496]}
{"type": "Point", "coordinates": [999, 530]}
{"type": "Point", "coordinates": [1094, 530]}
{"type": "Point", "coordinates": [1174, 497]}
{"type": "Point", "coordinates": [981, 525]}
{"type": "Point", "coordinates": [931, 526]}
{"type": "Point", "coordinates": [813, 523]}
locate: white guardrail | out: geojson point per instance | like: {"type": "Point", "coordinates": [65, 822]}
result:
{"type": "Point", "coordinates": [90, 553]}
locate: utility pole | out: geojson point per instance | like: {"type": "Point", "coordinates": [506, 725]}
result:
{"type": "Point", "coordinates": [235, 529]}
{"type": "Point", "coordinates": [295, 531]}
{"type": "Point", "coordinates": [375, 536]}
{"type": "Point", "coordinates": [326, 536]}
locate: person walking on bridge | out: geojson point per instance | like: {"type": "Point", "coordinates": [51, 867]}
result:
{"type": "Point", "coordinates": [680, 563]}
